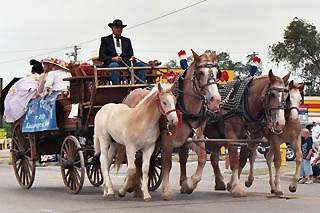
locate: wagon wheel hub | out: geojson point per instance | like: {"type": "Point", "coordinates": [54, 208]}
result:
{"type": "Point", "coordinates": [20, 155]}
{"type": "Point", "coordinates": [68, 164]}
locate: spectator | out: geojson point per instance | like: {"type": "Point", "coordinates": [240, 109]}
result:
{"type": "Point", "coordinates": [316, 169]}
{"type": "Point", "coordinates": [307, 152]}
{"type": "Point", "coordinates": [316, 139]}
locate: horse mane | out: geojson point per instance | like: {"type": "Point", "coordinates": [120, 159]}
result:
{"type": "Point", "coordinates": [149, 97]}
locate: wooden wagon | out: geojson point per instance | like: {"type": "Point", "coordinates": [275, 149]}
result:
{"type": "Point", "coordinates": [73, 142]}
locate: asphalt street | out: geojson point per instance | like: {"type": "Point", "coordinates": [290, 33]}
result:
{"type": "Point", "coordinates": [49, 196]}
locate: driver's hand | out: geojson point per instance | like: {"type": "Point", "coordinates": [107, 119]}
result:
{"type": "Point", "coordinates": [132, 58]}
{"type": "Point", "coordinates": [116, 58]}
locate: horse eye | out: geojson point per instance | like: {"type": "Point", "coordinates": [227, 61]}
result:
{"type": "Point", "coordinates": [164, 103]}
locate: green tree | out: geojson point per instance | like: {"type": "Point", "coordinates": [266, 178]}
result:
{"type": "Point", "coordinates": [300, 49]}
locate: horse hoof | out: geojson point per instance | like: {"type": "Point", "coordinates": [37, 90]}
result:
{"type": "Point", "coordinates": [229, 187]}
{"type": "Point", "coordinates": [292, 188]}
{"type": "Point", "coordinates": [131, 189]}
{"type": "Point", "coordinates": [110, 196]}
{"type": "Point", "coordinates": [248, 183]}
{"type": "Point", "coordinates": [279, 193]}
{"type": "Point", "coordinates": [147, 199]}
{"type": "Point", "coordinates": [220, 186]}
{"type": "Point", "coordinates": [272, 191]}
{"type": "Point", "coordinates": [186, 188]}
{"type": "Point", "coordinates": [121, 193]}
{"type": "Point", "coordinates": [167, 196]}
{"type": "Point", "coordinates": [237, 191]}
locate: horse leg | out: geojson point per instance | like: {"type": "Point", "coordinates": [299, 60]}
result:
{"type": "Point", "coordinates": [183, 158]}
{"type": "Point", "coordinates": [296, 143]}
{"type": "Point", "coordinates": [105, 167]}
{"type": "Point", "coordinates": [219, 180]}
{"type": "Point", "coordinates": [147, 152]}
{"type": "Point", "coordinates": [131, 171]}
{"type": "Point", "coordinates": [252, 157]}
{"type": "Point", "coordinates": [191, 183]}
{"type": "Point", "coordinates": [166, 154]}
{"type": "Point", "coordinates": [269, 158]}
{"type": "Point", "coordinates": [136, 183]}
{"type": "Point", "coordinates": [277, 165]}
{"type": "Point", "coordinates": [234, 185]}
{"type": "Point", "coordinates": [244, 155]}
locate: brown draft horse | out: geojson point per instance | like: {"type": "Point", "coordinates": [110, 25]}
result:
{"type": "Point", "coordinates": [197, 93]}
{"type": "Point", "coordinates": [290, 134]}
{"type": "Point", "coordinates": [264, 98]}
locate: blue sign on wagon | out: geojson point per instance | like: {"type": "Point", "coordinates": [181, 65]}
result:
{"type": "Point", "coordinates": [41, 114]}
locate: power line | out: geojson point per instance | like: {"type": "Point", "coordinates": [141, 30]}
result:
{"type": "Point", "coordinates": [92, 40]}
{"type": "Point", "coordinates": [151, 20]}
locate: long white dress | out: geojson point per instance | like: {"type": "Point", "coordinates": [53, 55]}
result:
{"type": "Point", "coordinates": [18, 97]}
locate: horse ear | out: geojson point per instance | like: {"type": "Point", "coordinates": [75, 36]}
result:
{"type": "Point", "coordinates": [286, 78]}
{"type": "Point", "coordinates": [159, 87]}
{"type": "Point", "coordinates": [213, 56]}
{"type": "Point", "coordinates": [272, 77]}
{"type": "Point", "coordinates": [291, 84]}
{"type": "Point", "coordinates": [301, 87]}
{"type": "Point", "coordinates": [195, 56]}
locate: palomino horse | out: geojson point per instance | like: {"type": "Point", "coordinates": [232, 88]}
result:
{"type": "Point", "coordinates": [263, 98]}
{"type": "Point", "coordinates": [197, 93]}
{"type": "Point", "coordinates": [137, 128]}
{"type": "Point", "coordinates": [290, 133]}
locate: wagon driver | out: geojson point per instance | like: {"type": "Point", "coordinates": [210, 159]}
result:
{"type": "Point", "coordinates": [115, 50]}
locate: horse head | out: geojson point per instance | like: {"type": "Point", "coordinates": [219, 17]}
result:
{"type": "Point", "coordinates": [205, 72]}
{"type": "Point", "coordinates": [294, 99]}
{"type": "Point", "coordinates": [274, 102]}
{"type": "Point", "coordinates": [167, 104]}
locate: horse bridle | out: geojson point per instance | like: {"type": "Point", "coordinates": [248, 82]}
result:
{"type": "Point", "coordinates": [269, 109]}
{"type": "Point", "coordinates": [196, 81]}
{"type": "Point", "coordinates": [165, 114]}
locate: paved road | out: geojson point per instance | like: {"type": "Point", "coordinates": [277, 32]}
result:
{"type": "Point", "coordinates": [49, 196]}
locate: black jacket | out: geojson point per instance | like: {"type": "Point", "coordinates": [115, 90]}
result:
{"type": "Point", "coordinates": [107, 49]}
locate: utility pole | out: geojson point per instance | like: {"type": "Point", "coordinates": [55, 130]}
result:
{"type": "Point", "coordinates": [75, 53]}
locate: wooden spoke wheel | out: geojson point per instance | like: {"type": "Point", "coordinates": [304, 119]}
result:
{"type": "Point", "coordinates": [72, 164]}
{"type": "Point", "coordinates": [23, 165]}
{"type": "Point", "coordinates": [155, 170]}
{"type": "Point", "coordinates": [94, 172]}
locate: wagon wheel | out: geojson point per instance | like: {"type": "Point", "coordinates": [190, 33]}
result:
{"type": "Point", "coordinates": [72, 164]}
{"type": "Point", "coordinates": [94, 172]}
{"type": "Point", "coordinates": [23, 165]}
{"type": "Point", "coordinates": [155, 170]}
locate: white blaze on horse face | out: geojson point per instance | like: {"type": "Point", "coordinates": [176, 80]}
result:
{"type": "Point", "coordinates": [168, 103]}
{"type": "Point", "coordinates": [280, 117]}
{"type": "Point", "coordinates": [212, 89]}
{"type": "Point", "coordinates": [295, 99]}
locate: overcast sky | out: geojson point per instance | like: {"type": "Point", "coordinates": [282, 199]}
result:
{"type": "Point", "coordinates": [42, 28]}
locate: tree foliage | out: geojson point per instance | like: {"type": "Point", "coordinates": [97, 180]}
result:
{"type": "Point", "coordinates": [300, 49]}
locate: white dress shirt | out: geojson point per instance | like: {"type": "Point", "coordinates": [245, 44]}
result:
{"type": "Point", "coordinates": [118, 49]}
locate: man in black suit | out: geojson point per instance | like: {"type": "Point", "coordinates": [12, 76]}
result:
{"type": "Point", "coordinates": [116, 49]}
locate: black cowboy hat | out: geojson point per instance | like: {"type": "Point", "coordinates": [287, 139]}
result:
{"type": "Point", "coordinates": [116, 22]}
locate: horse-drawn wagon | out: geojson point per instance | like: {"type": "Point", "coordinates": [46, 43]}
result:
{"type": "Point", "coordinates": [73, 141]}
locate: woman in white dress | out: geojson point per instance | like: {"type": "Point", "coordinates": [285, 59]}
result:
{"type": "Point", "coordinates": [19, 95]}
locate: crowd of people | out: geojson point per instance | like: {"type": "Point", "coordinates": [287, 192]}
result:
{"type": "Point", "coordinates": [310, 147]}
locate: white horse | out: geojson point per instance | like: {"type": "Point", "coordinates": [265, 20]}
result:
{"type": "Point", "coordinates": [137, 128]}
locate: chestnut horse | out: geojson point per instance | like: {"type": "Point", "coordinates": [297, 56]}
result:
{"type": "Point", "coordinates": [263, 99]}
{"type": "Point", "coordinates": [197, 94]}
{"type": "Point", "coordinates": [114, 124]}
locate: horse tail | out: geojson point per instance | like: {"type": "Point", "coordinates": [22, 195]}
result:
{"type": "Point", "coordinates": [120, 157]}
{"type": "Point", "coordinates": [96, 142]}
